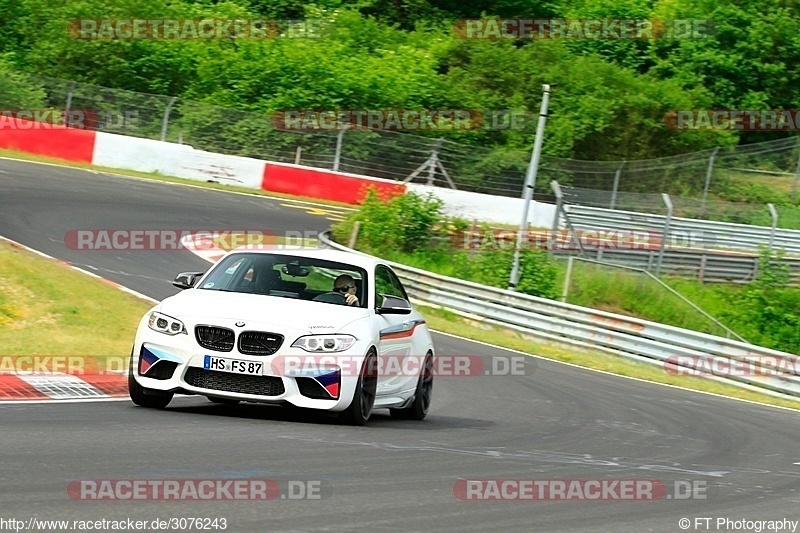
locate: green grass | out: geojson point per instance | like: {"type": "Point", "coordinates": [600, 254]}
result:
{"type": "Point", "coordinates": [635, 294]}
{"type": "Point", "coordinates": [47, 308]}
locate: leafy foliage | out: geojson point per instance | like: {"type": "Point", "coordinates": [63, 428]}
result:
{"type": "Point", "coordinates": [493, 268]}
{"type": "Point", "coordinates": [406, 222]}
{"type": "Point", "coordinates": [770, 307]}
{"type": "Point", "coordinates": [381, 54]}
{"type": "Point", "coordinates": [16, 89]}
{"type": "Point", "coordinates": [412, 228]}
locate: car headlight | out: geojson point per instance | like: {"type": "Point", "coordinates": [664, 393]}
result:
{"type": "Point", "coordinates": [165, 324]}
{"type": "Point", "coordinates": [324, 343]}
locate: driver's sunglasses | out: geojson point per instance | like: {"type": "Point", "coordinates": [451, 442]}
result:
{"type": "Point", "coordinates": [344, 288]}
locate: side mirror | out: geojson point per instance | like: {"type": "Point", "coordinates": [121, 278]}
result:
{"type": "Point", "coordinates": [393, 305]}
{"type": "Point", "coordinates": [186, 280]}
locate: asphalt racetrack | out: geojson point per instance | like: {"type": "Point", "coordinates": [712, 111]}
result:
{"type": "Point", "coordinates": [555, 422]}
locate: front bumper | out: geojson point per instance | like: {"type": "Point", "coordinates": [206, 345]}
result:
{"type": "Point", "coordinates": [165, 368]}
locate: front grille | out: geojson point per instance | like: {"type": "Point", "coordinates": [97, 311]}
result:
{"type": "Point", "coordinates": [214, 338]}
{"type": "Point", "coordinates": [311, 388]}
{"type": "Point", "coordinates": [225, 381]}
{"type": "Point", "coordinates": [259, 342]}
{"type": "Point", "coordinates": [161, 369]}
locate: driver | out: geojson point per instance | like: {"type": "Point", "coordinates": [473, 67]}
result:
{"type": "Point", "coordinates": [346, 286]}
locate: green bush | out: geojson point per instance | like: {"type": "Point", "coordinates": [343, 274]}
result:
{"type": "Point", "coordinates": [769, 307]}
{"type": "Point", "coordinates": [412, 229]}
{"type": "Point", "coordinates": [493, 268]}
{"type": "Point", "coordinates": [405, 223]}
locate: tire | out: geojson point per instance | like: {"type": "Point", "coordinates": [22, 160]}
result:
{"type": "Point", "coordinates": [146, 397]}
{"type": "Point", "coordinates": [360, 409]}
{"type": "Point", "coordinates": [418, 409]}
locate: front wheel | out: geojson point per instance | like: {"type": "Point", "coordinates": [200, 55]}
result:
{"type": "Point", "coordinates": [418, 409]}
{"type": "Point", "coordinates": [360, 408]}
{"type": "Point", "coordinates": [146, 397]}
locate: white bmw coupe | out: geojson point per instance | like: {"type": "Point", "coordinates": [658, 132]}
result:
{"type": "Point", "coordinates": [317, 329]}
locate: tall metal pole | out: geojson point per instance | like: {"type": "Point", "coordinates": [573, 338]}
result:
{"type": "Point", "coordinates": [530, 183]}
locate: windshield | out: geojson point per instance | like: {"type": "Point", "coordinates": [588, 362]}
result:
{"type": "Point", "coordinates": [285, 276]}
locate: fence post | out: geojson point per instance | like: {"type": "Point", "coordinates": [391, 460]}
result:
{"type": "Point", "coordinates": [616, 185]}
{"type": "Point", "coordinates": [338, 154]}
{"type": "Point", "coordinates": [297, 155]}
{"type": "Point", "coordinates": [69, 102]}
{"type": "Point", "coordinates": [432, 163]}
{"type": "Point", "coordinates": [709, 171]}
{"type": "Point", "coordinates": [702, 272]}
{"type": "Point", "coordinates": [351, 241]}
{"type": "Point", "coordinates": [434, 159]}
{"type": "Point", "coordinates": [774, 213]}
{"type": "Point", "coordinates": [166, 118]}
{"type": "Point", "coordinates": [559, 206]}
{"type": "Point", "coordinates": [665, 234]}
{"type": "Point", "coordinates": [571, 231]}
{"type": "Point", "coordinates": [565, 290]}
{"type": "Point", "coordinates": [796, 172]}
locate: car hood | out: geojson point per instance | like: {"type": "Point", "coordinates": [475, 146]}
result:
{"type": "Point", "coordinates": [267, 311]}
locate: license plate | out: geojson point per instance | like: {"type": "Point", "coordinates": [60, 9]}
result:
{"type": "Point", "coordinates": [235, 366]}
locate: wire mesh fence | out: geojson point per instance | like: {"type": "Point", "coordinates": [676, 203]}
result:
{"type": "Point", "coordinates": [436, 161]}
{"type": "Point", "coordinates": [787, 217]}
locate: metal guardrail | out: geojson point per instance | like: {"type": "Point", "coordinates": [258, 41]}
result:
{"type": "Point", "coordinates": [700, 263]}
{"type": "Point", "coordinates": [668, 346]}
{"type": "Point", "coordinates": [703, 249]}
{"type": "Point", "coordinates": [703, 265]}
{"type": "Point", "coordinates": [712, 234]}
